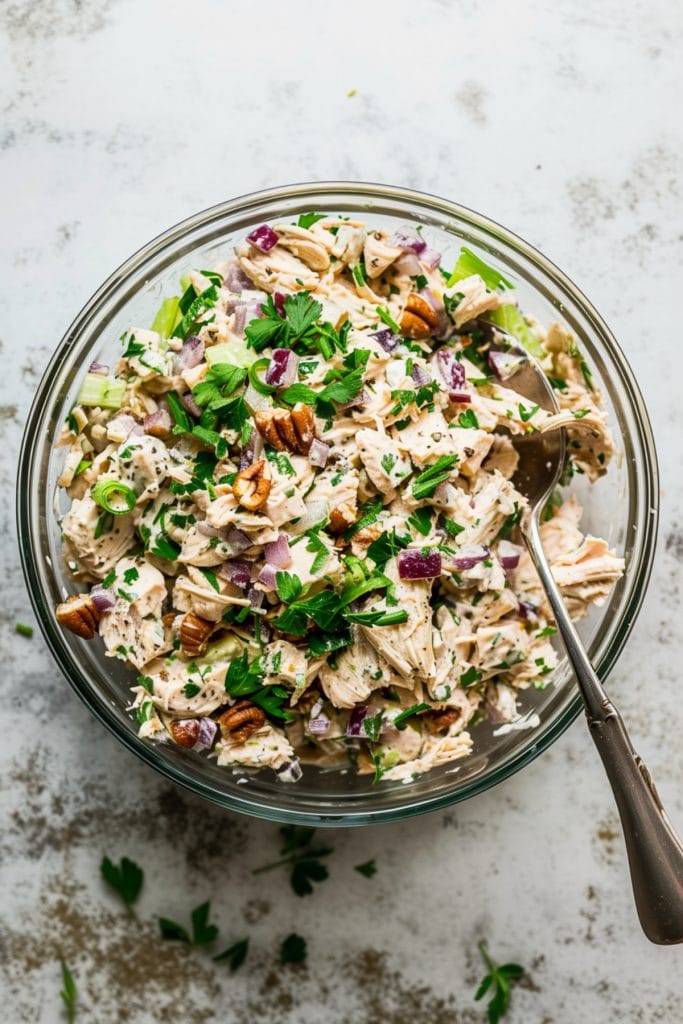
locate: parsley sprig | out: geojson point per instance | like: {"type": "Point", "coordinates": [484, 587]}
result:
{"type": "Point", "coordinates": [245, 679]}
{"type": "Point", "coordinates": [235, 954]}
{"type": "Point", "coordinates": [126, 879]}
{"type": "Point", "coordinates": [293, 949]}
{"type": "Point", "coordinates": [305, 859]}
{"type": "Point", "coordinates": [202, 932]}
{"type": "Point", "coordinates": [299, 328]}
{"type": "Point", "coordinates": [498, 981]}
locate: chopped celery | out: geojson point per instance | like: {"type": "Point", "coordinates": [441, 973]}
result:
{"type": "Point", "coordinates": [235, 352]}
{"type": "Point", "coordinates": [469, 263]}
{"type": "Point", "coordinates": [113, 398]}
{"type": "Point", "coordinates": [512, 321]}
{"type": "Point", "coordinates": [102, 391]}
{"type": "Point", "coordinates": [184, 282]}
{"type": "Point", "coordinates": [167, 317]}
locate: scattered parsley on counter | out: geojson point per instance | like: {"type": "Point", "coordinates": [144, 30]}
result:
{"type": "Point", "coordinates": [202, 931]}
{"type": "Point", "coordinates": [498, 982]}
{"type": "Point", "coordinates": [293, 949]}
{"type": "Point", "coordinates": [367, 870]}
{"type": "Point", "coordinates": [23, 630]}
{"type": "Point", "coordinates": [235, 954]}
{"type": "Point", "coordinates": [126, 879]}
{"type": "Point", "coordinates": [68, 993]}
{"type": "Point", "coordinates": [305, 859]}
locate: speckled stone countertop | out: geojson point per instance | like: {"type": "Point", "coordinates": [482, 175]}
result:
{"type": "Point", "coordinates": [120, 118]}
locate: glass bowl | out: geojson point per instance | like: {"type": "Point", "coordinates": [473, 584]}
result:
{"type": "Point", "coordinates": [622, 507]}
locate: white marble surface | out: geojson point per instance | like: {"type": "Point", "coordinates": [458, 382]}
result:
{"type": "Point", "coordinates": [120, 118]}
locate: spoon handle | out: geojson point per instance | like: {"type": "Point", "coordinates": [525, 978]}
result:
{"type": "Point", "coordinates": [655, 853]}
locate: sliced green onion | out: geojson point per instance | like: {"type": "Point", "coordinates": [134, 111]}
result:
{"type": "Point", "coordinates": [167, 317]}
{"type": "Point", "coordinates": [97, 390]}
{"type": "Point", "coordinates": [235, 352]}
{"type": "Point", "coordinates": [257, 382]}
{"type": "Point", "coordinates": [23, 630]}
{"type": "Point", "coordinates": [82, 466]}
{"type": "Point", "coordinates": [123, 495]}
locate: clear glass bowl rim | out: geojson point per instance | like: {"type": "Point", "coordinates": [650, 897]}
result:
{"type": "Point", "coordinates": [155, 250]}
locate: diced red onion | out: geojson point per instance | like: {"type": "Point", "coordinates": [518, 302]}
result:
{"type": "Point", "coordinates": [291, 772]}
{"type": "Point", "coordinates": [528, 611]}
{"type": "Point", "coordinates": [419, 375]}
{"type": "Point", "coordinates": [460, 396]}
{"type": "Point", "coordinates": [387, 339]}
{"type": "Point", "coordinates": [407, 238]}
{"type": "Point", "coordinates": [102, 598]}
{"type": "Point", "coordinates": [237, 540]}
{"type": "Point", "coordinates": [99, 368]}
{"type": "Point", "coordinates": [277, 553]}
{"type": "Point", "coordinates": [251, 450]}
{"type": "Point", "coordinates": [319, 726]}
{"type": "Point", "coordinates": [190, 355]}
{"type": "Point", "coordinates": [235, 278]}
{"type": "Point", "coordinates": [430, 257]}
{"type": "Point", "coordinates": [283, 368]}
{"type": "Point", "coordinates": [505, 364]}
{"type": "Point", "coordinates": [256, 600]}
{"type": "Point", "coordinates": [245, 312]}
{"type": "Point", "coordinates": [508, 554]}
{"type": "Point", "coordinates": [188, 401]}
{"type": "Point", "coordinates": [237, 573]}
{"type": "Point", "coordinates": [452, 371]}
{"type": "Point", "coordinates": [418, 565]}
{"type": "Point", "coordinates": [356, 719]}
{"type": "Point", "coordinates": [158, 423]}
{"type": "Point", "coordinates": [318, 453]}
{"type": "Point", "coordinates": [408, 264]}
{"type": "Point", "coordinates": [267, 576]}
{"type": "Point", "coordinates": [279, 302]}
{"type": "Point", "coordinates": [207, 734]}
{"type": "Point", "coordinates": [468, 556]}
{"type": "Point", "coordinates": [264, 238]}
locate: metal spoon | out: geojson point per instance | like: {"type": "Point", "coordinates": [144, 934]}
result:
{"type": "Point", "coordinates": [655, 853]}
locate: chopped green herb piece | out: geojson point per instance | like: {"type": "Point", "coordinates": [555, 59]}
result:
{"type": "Point", "coordinates": [306, 220]}
{"type": "Point", "coordinates": [202, 932]}
{"type": "Point", "coordinates": [235, 954]}
{"type": "Point", "coordinates": [288, 586]}
{"type": "Point", "coordinates": [23, 630]}
{"type": "Point", "coordinates": [126, 879]}
{"type": "Point", "coordinates": [468, 419]}
{"type": "Point", "coordinates": [68, 993]}
{"type": "Point", "coordinates": [526, 414]}
{"type": "Point", "coordinates": [293, 949]}
{"type": "Point", "coordinates": [427, 482]}
{"type": "Point", "coordinates": [368, 869]}
{"type": "Point", "coordinates": [498, 982]}
{"type": "Point", "coordinates": [386, 318]}
{"type": "Point", "coordinates": [470, 676]}
{"type": "Point", "coordinates": [402, 720]}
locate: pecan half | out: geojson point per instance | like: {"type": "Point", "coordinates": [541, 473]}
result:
{"type": "Point", "coordinates": [242, 720]}
{"type": "Point", "coordinates": [185, 731]}
{"type": "Point", "coordinates": [342, 517]}
{"type": "Point", "coordinates": [419, 319]}
{"type": "Point", "coordinates": [439, 721]}
{"type": "Point", "coordinates": [251, 486]}
{"type": "Point", "coordinates": [194, 632]}
{"type": "Point", "coordinates": [287, 430]}
{"type": "Point", "coordinates": [80, 614]}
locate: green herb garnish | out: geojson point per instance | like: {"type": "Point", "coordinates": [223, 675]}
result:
{"type": "Point", "coordinates": [498, 982]}
{"type": "Point", "coordinates": [235, 954]}
{"type": "Point", "coordinates": [427, 482]}
{"type": "Point", "coordinates": [126, 879]}
{"type": "Point", "coordinates": [68, 993]}
{"type": "Point", "coordinates": [202, 932]}
{"type": "Point", "coordinates": [293, 949]}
